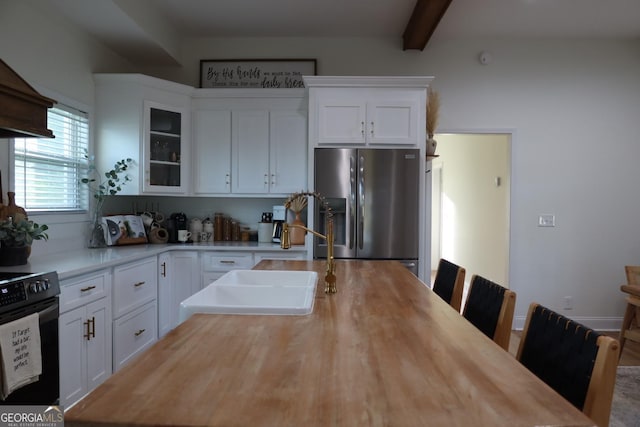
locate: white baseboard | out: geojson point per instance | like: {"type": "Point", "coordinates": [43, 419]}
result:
{"type": "Point", "coordinates": [597, 323]}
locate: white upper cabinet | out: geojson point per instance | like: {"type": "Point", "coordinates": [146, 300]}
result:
{"type": "Point", "coordinates": [212, 151]}
{"type": "Point", "coordinates": [249, 142]}
{"type": "Point", "coordinates": [165, 149]}
{"type": "Point", "coordinates": [287, 151]}
{"type": "Point", "coordinates": [341, 118]}
{"type": "Point", "coordinates": [148, 120]}
{"type": "Point", "coordinates": [367, 110]}
{"type": "Point", "coordinates": [250, 151]}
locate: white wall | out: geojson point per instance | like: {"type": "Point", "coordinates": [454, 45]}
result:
{"type": "Point", "coordinates": [574, 107]}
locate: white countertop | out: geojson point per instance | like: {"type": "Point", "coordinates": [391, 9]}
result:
{"type": "Point", "coordinates": [69, 264]}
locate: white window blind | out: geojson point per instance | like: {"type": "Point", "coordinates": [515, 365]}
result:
{"type": "Point", "coordinates": [48, 170]}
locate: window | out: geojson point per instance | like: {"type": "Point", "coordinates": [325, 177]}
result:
{"type": "Point", "coordinates": [48, 170]}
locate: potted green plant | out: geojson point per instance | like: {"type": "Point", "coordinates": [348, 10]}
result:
{"type": "Point", "coordinates": [16, 236]}
{"type": "Point", "coordinates": [109, 186]}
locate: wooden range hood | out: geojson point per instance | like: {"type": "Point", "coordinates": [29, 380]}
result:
{"type": "Point", "coordinates": [23, 111]}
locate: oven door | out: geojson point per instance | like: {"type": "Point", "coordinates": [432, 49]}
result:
{"type": "Point", "coordinates": [45, 391]}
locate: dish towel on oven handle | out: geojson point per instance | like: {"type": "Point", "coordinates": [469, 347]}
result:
{"type": "Point", "coordinates": [20, 353]}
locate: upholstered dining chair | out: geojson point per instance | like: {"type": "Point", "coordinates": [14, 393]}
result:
{"type": "Point", "coordinates": [489, 307]}
{"type": "Point", "coordinates": [631, 322]}
{"type": "Point", "coordinates": [449, 283]}
{"type": "Point", "coordinates": [574, 360]}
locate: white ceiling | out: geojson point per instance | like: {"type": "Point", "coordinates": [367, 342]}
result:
{"type": "Point", "coordinates": [150, 31]}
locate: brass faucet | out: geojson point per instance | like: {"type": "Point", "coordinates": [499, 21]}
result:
{"type": "Point", "coordinates": [285, 240]}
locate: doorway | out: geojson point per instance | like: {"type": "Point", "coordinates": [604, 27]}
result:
{"type": "Point", "coordinates": [471, 182]}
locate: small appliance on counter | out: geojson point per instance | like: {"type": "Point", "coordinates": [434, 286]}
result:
{"type": "Point", "coordinates": [177, 221]}
{"type": "Point", "coordinates": [279, 217]}
{"type": "Point", "coordinates": [265, 228]}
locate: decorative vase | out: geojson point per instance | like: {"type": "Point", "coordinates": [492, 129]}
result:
{"type": "Point", "coordinates": [431, 147]}
{"type": "Point", "coordinates": [10, 256]}
{"type": "Point", "coordinates": [96, 229]}
{"type": "Point", "coordinates": [296, 235]}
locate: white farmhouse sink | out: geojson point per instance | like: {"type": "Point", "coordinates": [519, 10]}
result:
{"type": "Point", "coordinates": [255, 292]}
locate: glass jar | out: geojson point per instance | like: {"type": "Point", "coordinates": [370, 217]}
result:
{"type": "Point", "coordinates": [235, 230]}
{"type": "Point", "coordinates": [218, 222]}
{"type": "Point", "coordinates": [226, 229]}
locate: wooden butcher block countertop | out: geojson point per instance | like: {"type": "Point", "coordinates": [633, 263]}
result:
{"type": "Point", "coordinates": [383, 351]}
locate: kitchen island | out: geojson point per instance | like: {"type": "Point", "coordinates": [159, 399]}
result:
{"type": "Point", "coordinates": [384, 350]}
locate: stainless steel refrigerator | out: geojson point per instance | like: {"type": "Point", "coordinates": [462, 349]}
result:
{"type": "Point", "coordinates": [373, 194]}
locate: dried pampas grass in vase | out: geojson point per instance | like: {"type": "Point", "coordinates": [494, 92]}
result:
{"type": "Point", "coordinates": [433, 114]}
{"type": "Point", "coordinates": [296, 203]}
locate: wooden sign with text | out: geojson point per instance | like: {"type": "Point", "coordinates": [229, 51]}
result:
{"type": "Point", "coordinates": [255, 73]}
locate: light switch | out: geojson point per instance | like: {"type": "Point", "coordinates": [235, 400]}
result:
{"type": "Point", "coordinates": [547, 220]}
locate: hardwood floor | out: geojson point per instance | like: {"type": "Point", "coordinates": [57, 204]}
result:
{"type": "Point", "coordinates": [630, 353]}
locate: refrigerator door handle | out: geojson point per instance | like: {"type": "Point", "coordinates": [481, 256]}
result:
{"type": "Point", "coordinates": [361, 179]}
{"type": "Point", "coordinates": [352, 202]}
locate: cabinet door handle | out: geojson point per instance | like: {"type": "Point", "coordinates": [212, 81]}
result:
{"type": "Point", "coordinates": [140, 332]}
{"type": "Point", "coordinates": [164, 269]}
{"type": "Point", "coordinates": [227, 262]}
{"type": "Point", "coordinates": [266, 179]}
{"type": "Point", "coordinates": [362, 129]}
{"type": "Point", "coordinates": [137, 284]}
{"type": "Point", "coordinates": [273, 179]}
{"type": "Point", "coordinates": [372, 129]}
{"type": "Point", "coordinates": [91, 328]}
{"type": "Point", "coordinates": [227, 179]}
{"type": "Point", "coordinates": [88, 288]}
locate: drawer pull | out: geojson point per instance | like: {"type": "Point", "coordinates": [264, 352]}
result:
{"type": "Point", "coordinates": [227, 262]}
{"type": "Point", "coordinates": [88, 288]}
{"type": "Point", "coordinates": [138, 284]}
{"type": "Point", "coordinates": [164, 269]}
{"type": "Point", "coordinates": [140, 332]}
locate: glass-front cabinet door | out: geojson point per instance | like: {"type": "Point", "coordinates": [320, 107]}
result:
{"type": "Point", "coordinates": [165, 149]}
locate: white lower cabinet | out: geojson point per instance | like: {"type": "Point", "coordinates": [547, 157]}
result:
{"type": "Point", "coordinates": [134, 284]}
{"type": "Point", "coordinates": [259, 256]}
{"type": "Point", "coordinates": [84, 335]}
{"type": "Point", "coordinates": [135, 310]}
{"type": "Point", "coordinates": [178, 279]}
{"type": "Point", "coordinates": [215, 264]}
{"type": "Point", "coordinates": [133, 333]}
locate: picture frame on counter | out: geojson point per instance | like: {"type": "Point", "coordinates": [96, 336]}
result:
{"type": "Point", "coordinates": [255, 73]}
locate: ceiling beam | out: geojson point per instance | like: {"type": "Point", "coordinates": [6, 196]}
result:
{"type": "Point", "coordinates": [423, 22]}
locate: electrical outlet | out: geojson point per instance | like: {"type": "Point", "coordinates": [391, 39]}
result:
{"type": "Point", "coordinates": [568, 303]}
{"type": "Point", "coordinates": [547, 220]}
